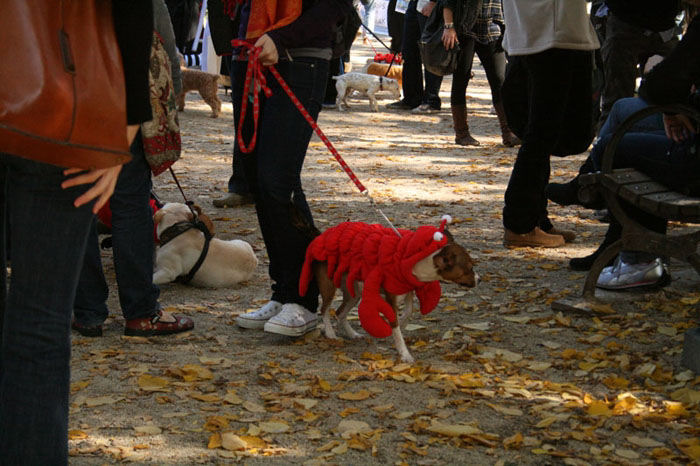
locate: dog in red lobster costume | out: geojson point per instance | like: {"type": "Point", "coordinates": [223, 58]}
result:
{"type": "Point", "coordinates": [382, 265]}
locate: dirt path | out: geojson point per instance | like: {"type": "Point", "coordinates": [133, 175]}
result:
{"type": "Point", "coordinates": [499, 378]}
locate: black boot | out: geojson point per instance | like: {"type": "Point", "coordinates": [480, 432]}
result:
{"type": "Point", "coordinates": [585, 263]}
{"type": "Point", "coordinates": [563, 193]}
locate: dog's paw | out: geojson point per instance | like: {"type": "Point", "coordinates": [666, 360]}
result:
{"type": "Point", "coordinates": [407, 358]}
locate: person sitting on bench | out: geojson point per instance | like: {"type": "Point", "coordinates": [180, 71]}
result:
{"type": "Point", "coordinates": [671, 158]}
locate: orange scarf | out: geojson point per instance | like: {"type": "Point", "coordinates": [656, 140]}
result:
{"type": "Point", "coordinates": [266, 15]}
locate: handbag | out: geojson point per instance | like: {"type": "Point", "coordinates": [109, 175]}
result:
{"type": "Point", "coordinates": [436, 58]}
{"type": "Point", "coordinates": [62, 90]}
{"type": "Point", "coordinates": [161, 135]}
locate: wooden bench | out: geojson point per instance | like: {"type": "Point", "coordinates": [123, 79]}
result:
{"type": "Point", "coordinates": [640, 190]}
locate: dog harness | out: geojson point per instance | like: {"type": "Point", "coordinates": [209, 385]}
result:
{"type": "Point", "coordinates": [175, 230]}
{"type": "Point", "coordinates": [382, 260]}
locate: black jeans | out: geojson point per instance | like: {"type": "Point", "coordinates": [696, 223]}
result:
{"type": "Point", "coordinates": [493, 62]}
{"type": "Point", "coordinates": [273, 169]}
{"type": "Point", "coordinates": [412, 75]}
{"type": "Point", "coordinates": [559, 110]}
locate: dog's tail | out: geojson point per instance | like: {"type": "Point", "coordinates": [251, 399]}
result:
{"type": "Point", "coordinates": [301, 223]}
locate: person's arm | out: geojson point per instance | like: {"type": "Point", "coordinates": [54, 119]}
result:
{"type": "Point", "coordinates": [428, 8]}
{"type": "Point", "coordinates": [449, 34]}
{"type": "Point", "coordinates": [669, 82]}
{"type": "Point", "coordinates": [164, 27]}
{"type": "Point", "coordinates": [133, 25]}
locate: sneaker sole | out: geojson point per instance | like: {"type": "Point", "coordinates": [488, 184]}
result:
{"type": "Point", "coordinates": [251, 324]}
{"type": "Point", "coordinates": [153, 333]}
{"type": "Point", "coordinates": [512, 245]}
{"type": "Point", "coordinates": [662, 281]}
{"type": "Point", "coordinates": [279, 329]}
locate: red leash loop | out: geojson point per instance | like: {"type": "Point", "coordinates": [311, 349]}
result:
{"type": "Point", "coordinates": [254, 77]}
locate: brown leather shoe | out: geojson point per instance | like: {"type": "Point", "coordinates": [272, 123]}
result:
{"type": "Point", "coordinates": [569, 236]}
{"type": "Point", "coordinates": [152, 326]}
{"type": "Point", "coordinates": [533, 239]}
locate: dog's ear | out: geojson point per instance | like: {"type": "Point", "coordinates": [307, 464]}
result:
{"type": "Point", "coordinates": [158, 216]}
{"type": "Point", "coordinates": [204, 218]}
{"type": "Point", "coordinates": [197, 209]}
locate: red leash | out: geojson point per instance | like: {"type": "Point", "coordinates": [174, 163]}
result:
{"type": "Point", "coordinates": [255, 71]}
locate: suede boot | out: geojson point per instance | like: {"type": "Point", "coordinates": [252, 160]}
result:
{"type": "Point", "coordinates": [459, 119]}
{"type": "Point", "coordinates": [509, 139]}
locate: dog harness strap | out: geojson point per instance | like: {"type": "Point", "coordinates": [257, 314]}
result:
{"type": "Point", "coordinates": [173, 231]}
{"type": "Point", "coordinates": [185, 279]}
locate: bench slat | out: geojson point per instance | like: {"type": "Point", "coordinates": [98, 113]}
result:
{"type": "Point", "coordinates": [632, 192]}
{"type": "Point", "coordinates": [653, 197]}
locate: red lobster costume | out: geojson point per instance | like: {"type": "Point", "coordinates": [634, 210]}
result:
{"type": "Point", "coordinates": [381, 259]}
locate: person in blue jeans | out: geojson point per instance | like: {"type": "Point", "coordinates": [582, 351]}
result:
{"type": "Point", "coordinates": [567, 193]}
{"type": "Point", "coordinates": [133, 247]}
{"type": "Point", "coordinates": [300, 51]}
{"type": "Point", "coordinates": [416, 97]}
{"type": "Point", "coordinates": [46, 218]}
{"type": "Point", "coordinates": [132, 243]}
{"type": "Point", "coordinates": [666, 150]}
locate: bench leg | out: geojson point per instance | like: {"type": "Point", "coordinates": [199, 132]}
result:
{"type": "Point", "coordinates": [598, 266]}
{"type": "Point", "coordinates": [694, 260]}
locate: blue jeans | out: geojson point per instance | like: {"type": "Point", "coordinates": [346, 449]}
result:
{"type": "Point", "coordinates": [47, 235]}
{"type": "Point", "coordinates": [412, 74]}
{"type": "Point", "coordinates": [273, 169]}
{"type": "Point", "coordinates": [368, 13]}
{"type": "Point", "coordinates": [132, 245]}
{"type": "Point", "coordinates": [622, 109]}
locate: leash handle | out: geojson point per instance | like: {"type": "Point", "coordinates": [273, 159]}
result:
{"type": "Point", "coordinates": [254, 77]}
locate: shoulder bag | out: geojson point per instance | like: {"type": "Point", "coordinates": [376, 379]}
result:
{"type": "Point", "coordinates": [62, 91]}
{"type": "Point", "coordinates": [436, 58]}
{"type": "Point", "coordinates": [161, 135]}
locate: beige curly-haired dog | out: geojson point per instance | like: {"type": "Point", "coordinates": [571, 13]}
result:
{"type": "Point", "coordinates": [207, 84]}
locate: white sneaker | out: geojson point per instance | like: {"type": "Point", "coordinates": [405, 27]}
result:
{"type": "Point", "coordinates": [622, 275]}
{"type": "Point", "coordinates": [425, 108]}
{"type": "Point", "coordinates": [294, 320]}
{"type": "Point", "coordinates": [257, 319]}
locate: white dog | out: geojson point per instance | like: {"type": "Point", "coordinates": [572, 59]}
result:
{"type": "Point", "coordinates": [367, 84]}
{"type": "Point", "coordinates": [226, 264]}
